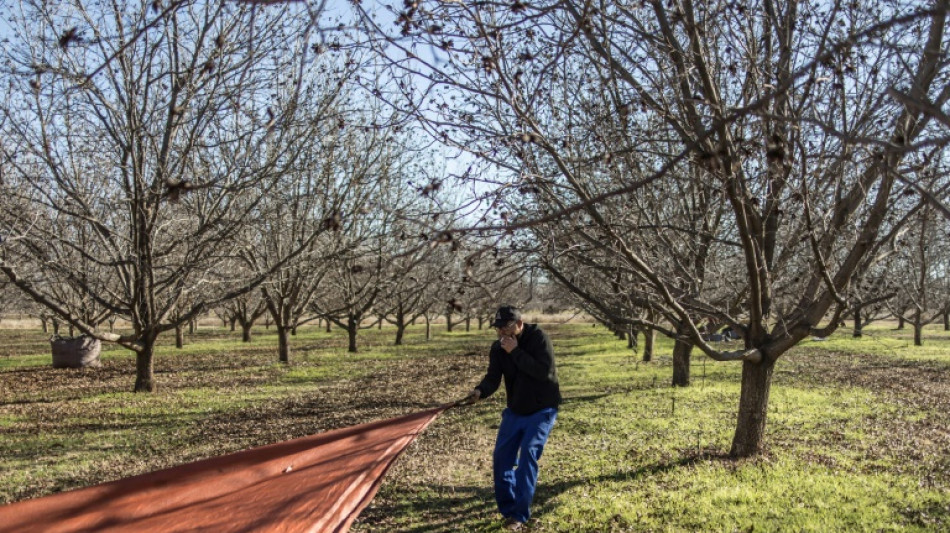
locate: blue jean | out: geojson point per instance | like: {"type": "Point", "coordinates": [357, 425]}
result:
{"type": "Point", "coordinates": [518, 447]}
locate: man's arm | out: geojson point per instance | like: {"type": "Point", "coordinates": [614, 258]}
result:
{"type": "Point", "coordinates": [492, 378]}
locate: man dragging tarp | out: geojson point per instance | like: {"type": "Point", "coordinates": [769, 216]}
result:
{"type": "Point", "coordinates": [524, 357]}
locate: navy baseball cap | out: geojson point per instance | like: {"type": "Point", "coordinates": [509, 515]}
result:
{"type": "Point", "coordinates": [505, 315]}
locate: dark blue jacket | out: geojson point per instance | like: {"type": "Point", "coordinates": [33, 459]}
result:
{"type": "Point", "coordinates": [529, 372]}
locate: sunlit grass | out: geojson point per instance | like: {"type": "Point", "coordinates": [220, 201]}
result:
{"type": "Point", "coordinates": [630, 453]}
{"type": "Point", "coordinates": [885, 340]}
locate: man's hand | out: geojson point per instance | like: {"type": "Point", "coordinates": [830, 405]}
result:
{"type": "Point", "coordinates": [508, 344]}
{"type": "Point", "coordinates": [473, 397]}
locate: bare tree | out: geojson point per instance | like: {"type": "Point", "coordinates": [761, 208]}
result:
{"type": "Point", "coordinates": [246, 310]}
{"type": "Point", "coordinates": [920, 271]}
{"type": "Point", "coordinates": [413, 273]}
{"type": "Point", "coordinates": [784, 110]}
{"type": "Point", "coordinates": [494, 275]}
{"type": "Point", "coordinates": [426, 288]}
{"type": "Point", "coordinates": [870, 296]}
{"type": "Point", "coordinates": [158, 132]}
{"type": "Point", "coordinates": [324, 195]}
{"type": "Point", "coordinates": [362, 273]}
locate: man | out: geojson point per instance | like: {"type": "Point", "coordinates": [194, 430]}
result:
{"type": "Point", "coordinates": [524, 357]}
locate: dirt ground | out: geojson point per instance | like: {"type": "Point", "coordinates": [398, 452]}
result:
{"type": "Point", "coordinates": [63, 402]}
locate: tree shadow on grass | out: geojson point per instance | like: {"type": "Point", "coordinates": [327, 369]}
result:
{"type": "Point", "coordinates": [586, 398]}
{"type": "Point", "coordinates": [545, 497]}
{"type": "Point", "coordinates": [447, 509]}
{"type": "Point", "coordinates": [438, 509]}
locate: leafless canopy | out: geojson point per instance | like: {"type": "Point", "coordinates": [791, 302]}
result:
{"type": "Point", "coordinates": [711, 162]}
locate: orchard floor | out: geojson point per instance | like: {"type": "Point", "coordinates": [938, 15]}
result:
{"type": "Point", "coordinates": [858, 435]}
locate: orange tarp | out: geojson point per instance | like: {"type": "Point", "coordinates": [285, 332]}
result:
{"type": "Point", "coordinates": [317, 483]}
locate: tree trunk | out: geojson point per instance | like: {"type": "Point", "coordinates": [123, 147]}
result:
{"type": "Point", "coordinates": [946, 320]}
{"type": "Point", "coordinates": [648, 337]}
{"type": "Point", "coordinates": [45, 325]}
{"type": "Point", "coordinates": [632, 339]}
{"type": "Point", "coordinates": [400, 331]}
{"type": "Point", "coordinates": [144, 367]}
{"type": "Point", "coordinates": [293, 330]}
{"type": "Point", "coordinates": [55, 327]}
{"type": "Point", "coordinates": [329, 326]}
{"type": "Point", "coordinates": [681, 353]}
{"type": "Point", "coordinates": [191, 327]}
{"type": "Point", "coordinates": [72, 330]}
{"type": "Point", "coordinates": [400, 324]}
{"type": "Point", "coordinates": [753, 407]}
{"type": "Point", "coordinates": [283, 345]}
{"type": "Point", "coordinates": [246, 332]}
{"type": "Point", "coordinates": [179, 337]}
{"type": "Point", "coordinates": [857, 322]}
{"type": "Point", "coordinates": [900, 322]}
{"type": "Point", "coordinates": [352, 326]}
{"type": "Point", "coordinates": [468, 323]}
{"type": "Point", "coordinates": [233, 324]}
{"type": "Point", "coordinates": [481, 323]}
{"type": "Point", "coordinates": [921, 302]}
{"type": "Point", "coordinates": [428, 328]}
{"type": "Point", "coordinates": [448, 322]}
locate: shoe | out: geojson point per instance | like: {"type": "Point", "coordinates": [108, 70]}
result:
{"type": "Point", "coordinates": [513, 524]}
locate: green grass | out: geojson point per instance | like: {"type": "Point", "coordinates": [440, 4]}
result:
{"type": "Point", "coordinates": [629, 453]}
{"type": "Point", "coordinates": [857, 433]}
{"type": "Point", "coordinates": [884, 340]}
